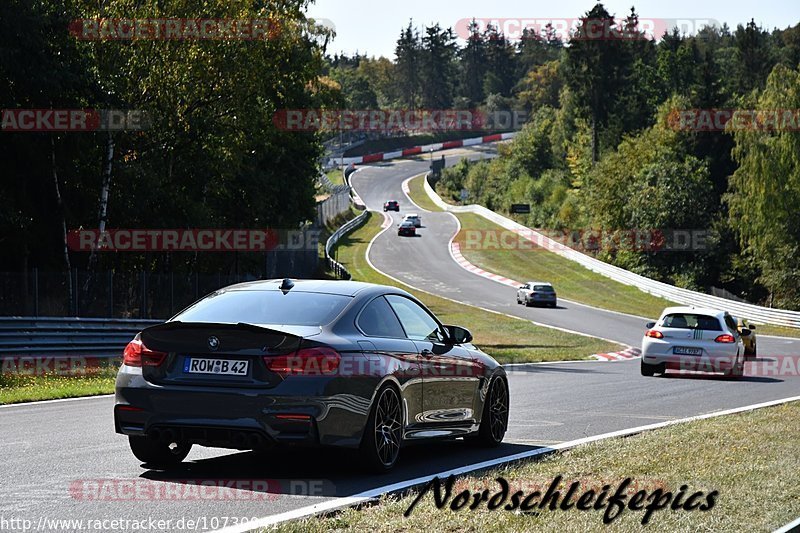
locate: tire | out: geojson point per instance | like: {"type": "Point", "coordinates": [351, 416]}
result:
{"type": "Point", "coordinates": [553, 305]}
{"type": "Point", "coordinates": [737, 370]}
{"type": "Point", "coordinates": [383, 433]}
{"type": "Point", "coordinates": [518, 301]}
{"type": "Point", "coordinates": [749, 355]}
{"type": "Point", "coordinates": [528, 303]}
{"type": "Point", "coordinates": [494, 421]}
{"type": "Point", "coordinates": [157, 453]}
{"type": "Point", "coordinates": [650, 370]}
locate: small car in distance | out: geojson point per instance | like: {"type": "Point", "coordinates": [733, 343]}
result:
{"type": "Point", "coordinates": [750, 347]}
{"type": "Point", "coordinates": [415, 219]}
{"type": "Point", "coordinates": [406, 228]}
{"type": "Point", "coordinates": [695, 339]}
{"type": "Point", "coordinates": [537, 293]}
{"type": "Point", "coordinates": [391, 205]}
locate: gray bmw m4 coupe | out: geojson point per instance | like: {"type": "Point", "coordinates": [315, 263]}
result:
{"type": "Point", "coordinates": [306, 362]}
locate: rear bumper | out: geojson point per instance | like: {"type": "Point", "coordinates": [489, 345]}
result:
{"type": "Point", "coordinates": [542, 300]}
{"type": "Point", "coordinates": [720, 360]}
{"type": "Point", "coordinates": [302, 413]}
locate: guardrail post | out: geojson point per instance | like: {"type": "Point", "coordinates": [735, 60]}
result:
{"type": "Point", "coordinates": [111, 294]}
{"type": "Point", "coordinates": [35, 291]}
{"type": "Point", "coordinates": [76, 292]}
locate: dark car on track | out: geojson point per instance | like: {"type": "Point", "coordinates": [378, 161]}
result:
{"type": "Point", "coordinates": [391, 205]}
{"type": "Point", "coordinates": [307, 363]}
{"type": "Point", "coordinates": [407, 228]}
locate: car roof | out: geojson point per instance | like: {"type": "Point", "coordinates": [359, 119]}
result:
{"type": "Point", "coordinates": [539, 283]}
{"type": "Point", "coordinates": [412, 215]}
{"type": "Point", "coordinates": [324, 286]}
{"type": "Point", "coordinates": [693, 310]}
{"type": "Point", "coordinates": [406, 222]}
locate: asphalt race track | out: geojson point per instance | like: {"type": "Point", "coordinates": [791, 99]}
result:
{"type": "Point", "coordinates": [62, 460]}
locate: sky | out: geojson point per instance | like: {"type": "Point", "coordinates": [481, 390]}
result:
{"type": "Point", "coordinates": [373, 26]}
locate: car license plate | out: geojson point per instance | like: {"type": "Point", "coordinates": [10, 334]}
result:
{"type": "Point", "coordinates": [226, 367]}
{"type": "Point", "coordinates": [682, 350]}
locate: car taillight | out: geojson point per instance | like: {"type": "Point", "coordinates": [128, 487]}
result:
{"type": "Point", "coordinates": [137, 354]}
{"type": "Point", "coordinates": [320, 361]}
{"type": "Point", "coordinates": [725, 338]}
{"type": "Point", "coordinates": [654, 333]}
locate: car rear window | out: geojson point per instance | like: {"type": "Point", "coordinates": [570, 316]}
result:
{"type": "Point", "coordinates": [691, 321]}
{"type": "Point", "coordinates": [267, 307]}
{"type": "Point", "coordinates": [543, 288]}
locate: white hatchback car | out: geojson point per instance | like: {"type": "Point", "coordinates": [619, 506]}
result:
{"type": "Point", "coordinates": [414, 218]}
{"type": "Point", "coordinates": [692, 338]}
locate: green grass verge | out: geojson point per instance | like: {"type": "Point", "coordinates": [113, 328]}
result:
{"type": "Point", "coordinates": [481, 244]}
{"type": "Point", "coordinates": [751, 459]}
{"type": "Point", "coordinates": [416, 188]}
{"type": "Point", "coordinates": [16, 388]}
{"type": "Point", "coordinates": [769, 329]}
{"type": "Point", "coordinates": [506, 339]}
{"type": "Point", "coordinates": [336, 176]}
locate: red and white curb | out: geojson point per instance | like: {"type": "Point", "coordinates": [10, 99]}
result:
{"type": "Point", "coordinates": [455, 251]}
{"type": "Point", "coordinates": [417, 150]}
{"type": "Point", "coordinates": [624, 355]}
{"type": "Point", "coordinates": [405, 188]}
{"type": "Point", "coordinates": [387, 221]}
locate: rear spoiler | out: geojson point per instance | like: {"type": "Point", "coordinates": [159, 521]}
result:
{"type": "Point", "coordinates": [210, 337]}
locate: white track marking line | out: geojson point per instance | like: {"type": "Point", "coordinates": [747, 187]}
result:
{"type": "Point", "coordinates": [59, 400]}
{"type": "Point", "coordinates": [369, 495]}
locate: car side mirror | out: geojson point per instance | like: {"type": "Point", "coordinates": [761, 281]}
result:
{"type": "Point", "coordinates": [458, 335]}
{"type": "Point", "coordinates": [650, 325]}
{"type": "Point", "coordinates": [746, 332]}
{"type": "Point", "coordinates": [751, 326]}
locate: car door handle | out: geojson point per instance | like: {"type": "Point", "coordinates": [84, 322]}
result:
{"type": "Point", "coordinates": [426, 353]}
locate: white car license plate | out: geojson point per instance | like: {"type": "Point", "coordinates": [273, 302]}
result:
{"type": "Point", "coordinates": [227, 367]}
{"type": "Point", "coordinates": [682, 350]}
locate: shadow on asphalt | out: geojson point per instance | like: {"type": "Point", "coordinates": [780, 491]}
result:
{"type": "Point", "coordinates": [326, 472]}
{"type": "Point", "coordinates": [564, 369]}
{"type": "Point", "coordinates": [721, 377]}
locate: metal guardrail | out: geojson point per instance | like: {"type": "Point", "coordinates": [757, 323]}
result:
{"type": "Point", "coordinates": [346, 228]}
{"type": "Point", "coordinates": [22, 337]}
{"type": "Point", "coordinates": [756, 313]}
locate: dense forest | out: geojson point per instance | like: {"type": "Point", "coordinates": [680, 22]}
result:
{"type": "Point", "coordinates": [602, 148]}
{"type": "Point", "coordinates": [605, 148]}
{"type": "Point", "coordinates": [210, 157]}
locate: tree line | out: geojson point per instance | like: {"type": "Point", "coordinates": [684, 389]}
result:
{"type": "Point", "coordinates": [210, 157]}
{"type": "Point", "coordinates": [609, 147]}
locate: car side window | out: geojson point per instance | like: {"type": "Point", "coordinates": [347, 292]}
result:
{"type": "Point", "coordinates": [418, 324]}
{"type": "Point", "coordinates": [378, 320]}
{"type": "Point", "coordinates": [731, 323]}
